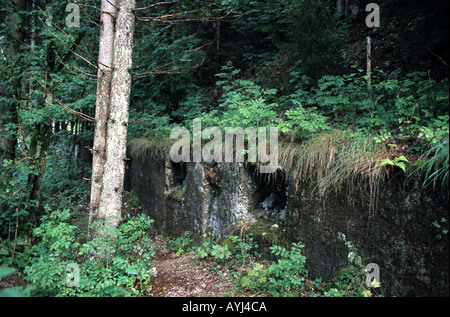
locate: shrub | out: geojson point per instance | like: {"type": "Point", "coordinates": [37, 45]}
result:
{"type": "Point", "coordinates": [182, 244]}
{"type": "Point", "coordinates": [109, 265]}
{"type": "Point", "coordinates": [285, 277]}
{"type": "Point", "coordinates": [240, 101]}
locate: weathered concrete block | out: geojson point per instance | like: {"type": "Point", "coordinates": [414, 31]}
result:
{"type": "Point", "coordinates": [395, 230]}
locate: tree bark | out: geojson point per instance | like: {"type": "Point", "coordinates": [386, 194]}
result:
{"type": "Point", "coordinates": [40, 143]}
{"type": "Point", "coordinates": [39, 148]}
{"type": "Point", "coordinates": [43, 134]}
{"type": "Point", "coordinates": [117, 125]}
{"type": "Point", "coordinates": [14, 91]}
{"type": "Point", "coordinates": [105, 68]}
{"type": "Point", "coordinates": [369, 62]}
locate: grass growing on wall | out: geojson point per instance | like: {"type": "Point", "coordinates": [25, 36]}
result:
{"type": "Point", "coordinates": [433, 165]}
{"type": "Point", "coordinates": [156, 149]}
{"type": "Point", "coordinates": [331, 159]}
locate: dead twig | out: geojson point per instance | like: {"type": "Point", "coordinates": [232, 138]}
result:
{"type": "Point", "coordinates": [80, 114]}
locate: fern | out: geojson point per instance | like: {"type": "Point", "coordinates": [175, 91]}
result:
{"type": "Point", "coordinates": [400, 161]}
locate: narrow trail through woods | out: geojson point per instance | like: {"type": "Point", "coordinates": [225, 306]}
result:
{"type": "Point", "coordinates": [183, 276]}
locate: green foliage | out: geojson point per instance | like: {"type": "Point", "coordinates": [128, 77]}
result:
{"type": "Point", "coordinates": [350, 280]}
{"type": "Point", "coordinates": [442, 226]}
{"type": "Point", "coordinates": [243, 248]}
{"type": "Point", "coordinates": [288, 274]}
{"type": "Point", "coordinates": [240, 100]}
{"type": "Point", "coordinates": [303, 122]}
{"type": "Point", "coordinates": [15, 204]}
{"type": "Point", "coordinates": [164, 86]}
{"type": "Point", "coordinates": [408, 105]}
{"type": "Point", "coordinates": [145, 124]}
{"type": "Point", "coordinates": [400, 162]}
{"type": "Point", "coordinates": [209, 248]}
{"type": "Point", "coordinates": [62, 184]}
{"type": "Point", "coordinates": [9, 292]}
{"type": "Point", "coordinates": [240, 249]}
{"type": "Point", "coordinates": [110, 264]}
{"type": "Point", "coordinates": [296, 68]}
{"type": "Point", "coordinates": [434, 164]}
{"type": "Point", "coordinates": [255, 279]}
{"type": "Point", "coordinates": [282, 278]}
{"type": "Point", "coordinates": [220, 252]}
{"type": "Point", "coordinates": [204, 249]}
{"type": "Point", "coordinates": [182, 244]}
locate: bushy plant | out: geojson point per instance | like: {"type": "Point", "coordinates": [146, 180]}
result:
{"type": "Point", "coordinates": [243, 103]}
{"type": "Point", "coordinates": [182, 244]}
{"type": "Point", "coordinates": [234, 247]}
{"type": "Point", "coordinates": [302, 121]}
{"type": "Point", "coordinates": [285, 277]}
{"type": "Point", "coordinates": [243, 248]}
{"type": "Point", "coordinates": [210, 248]}
{"type": "Point", "coordinates": [14, 197]}
{"type": "Point", "coordinates": [240, 101]}
{"type": "Point", "coordinates": [415, 104]}
{"type": "Point", "coordinates": [109, 265]}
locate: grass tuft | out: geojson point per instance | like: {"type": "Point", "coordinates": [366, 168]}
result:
{"type": "Point", "coordinates": [330, 160]}
{"type": "Point", "coordinates": [154, 149]}
{"type": "Point", "coordinates": [433, 165]}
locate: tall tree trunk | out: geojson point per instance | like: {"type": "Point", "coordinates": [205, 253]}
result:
{"type": "Point", "coordinates": [14, 90]}
{"type": "Point", "coordinates": [369, 62]}
{"type": "Point", "coordinates": [40, 144]}
{"type": "Point", "coordinates": [116, 139]}
{"type": "Point", "coordinates": [43, 134]}
{"type": "Point", "coordinates": [105, 68]}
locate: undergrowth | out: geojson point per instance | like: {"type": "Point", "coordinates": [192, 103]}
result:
{"type": "Point", "coordinates": [61, 263]}
{"type": "Point", "coordinates": [282, 274]}
{"type": "Point", "coordinates": [118, 263]}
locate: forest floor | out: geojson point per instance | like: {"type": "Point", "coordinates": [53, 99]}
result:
{"type": "Point", "coordinates": [185, 276]}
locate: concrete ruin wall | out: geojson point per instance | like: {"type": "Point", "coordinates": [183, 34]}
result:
{"type": "Point", "coordinates": [396, 233]}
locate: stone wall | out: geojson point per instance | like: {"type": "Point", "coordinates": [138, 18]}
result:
{"type": "Point", "coordinates": [159, 187]}
{"type": "Point", "coordinates": [394, 231]}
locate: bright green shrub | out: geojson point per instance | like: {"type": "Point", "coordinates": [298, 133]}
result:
{"type": "Point", "coordinates": [110, 264]}
{"type": "Point", "coordinates": [285, 277]}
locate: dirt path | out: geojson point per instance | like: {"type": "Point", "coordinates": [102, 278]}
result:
{"type": "Point", "coordinates": [183, 276]}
